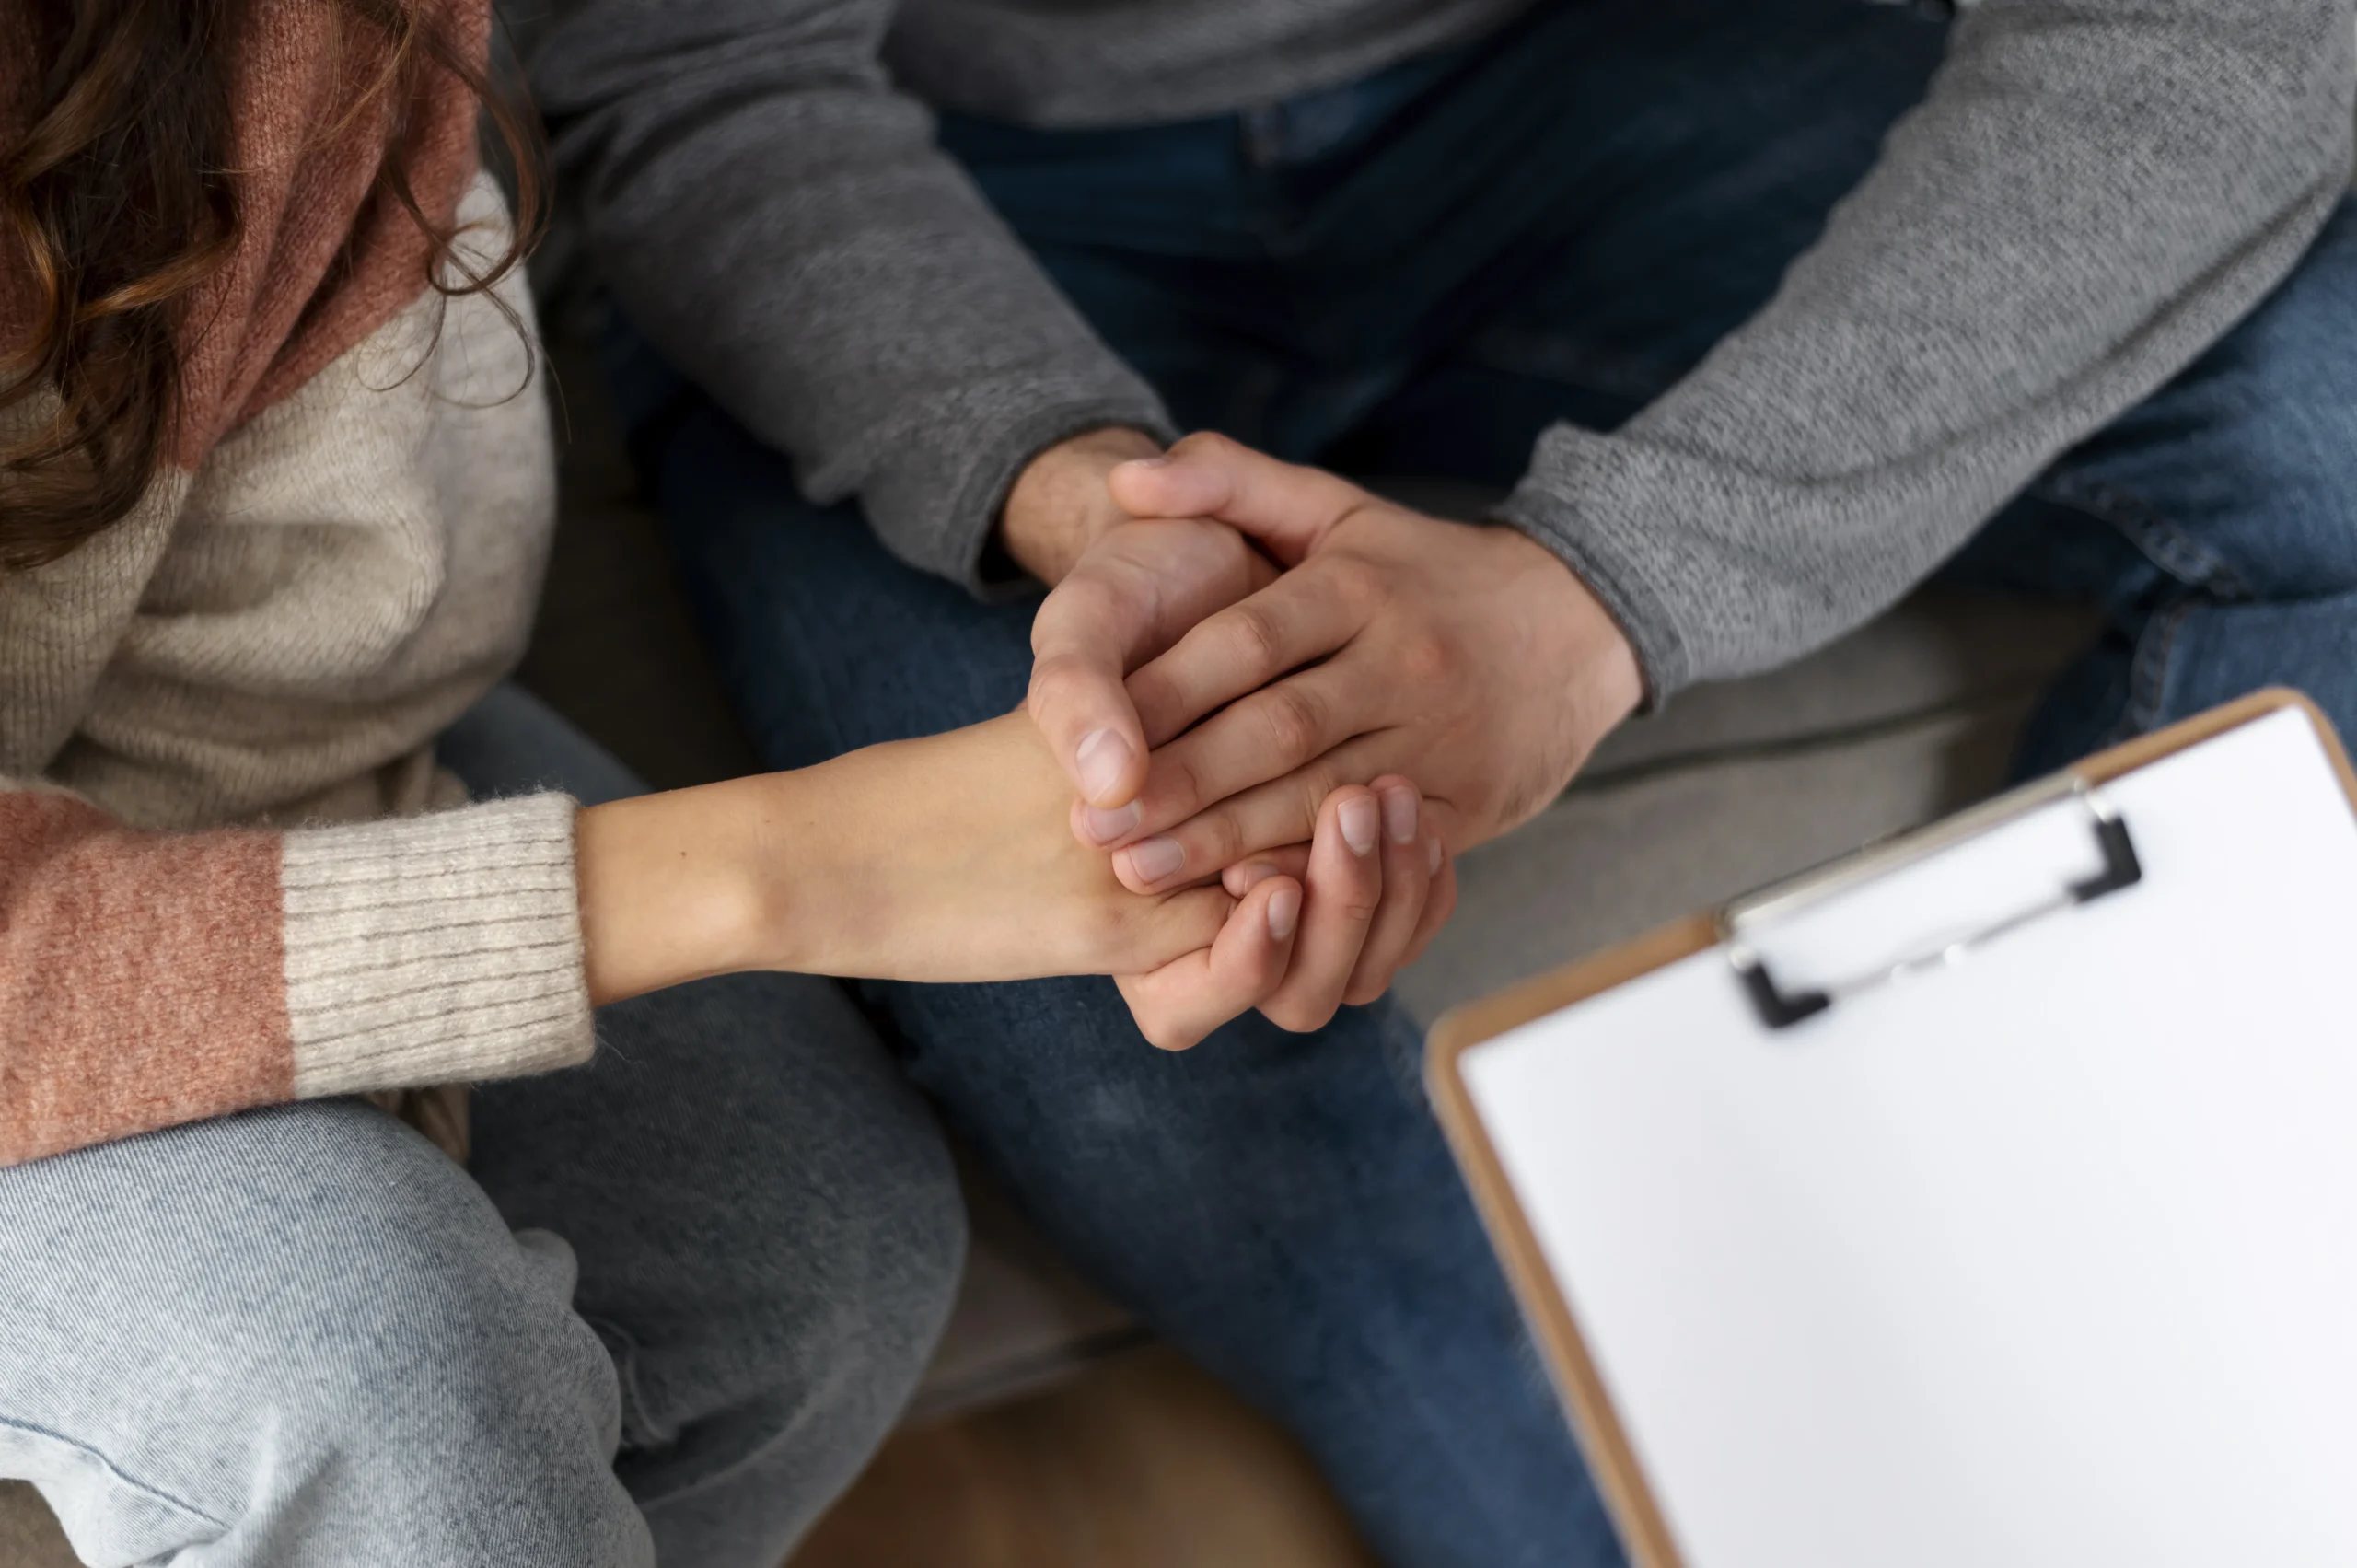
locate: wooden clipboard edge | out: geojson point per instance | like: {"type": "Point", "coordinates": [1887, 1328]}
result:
{"type": "Point", "coordinates": [1611, 1461]}
{"type": "Point", "coordinates": [2128, 756]}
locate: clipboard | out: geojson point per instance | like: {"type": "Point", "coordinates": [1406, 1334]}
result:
{"type": "Point", "coordinates": [1596, 1289]}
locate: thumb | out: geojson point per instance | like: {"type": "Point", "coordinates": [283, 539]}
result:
{"type": "Point", "coordinates": [1186, 999]}
{"type": "Point", "coordinates": [1287, 507]}
{"type": "Point", "coordinates": [1077, 700]}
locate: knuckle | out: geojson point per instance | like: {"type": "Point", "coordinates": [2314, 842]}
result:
{"type": "Point", "coordinates": [1225, 839]}
{"type": "Point", "coordinates": [1081, 599]}
{"type": "Point", "coordinates": [1229, 838]}
{"type": "Point", "coordinates": [1164, 1034]}
{"type": "Point", "coordinates": [1173, 785]}
{"type": "Point", "coordinates": [1310, 790]}
{"type": "Point", "coordinates": [1257, 641]}
{"type": "Point", "coordinates": [1132, 568]}
{"type": "Point", "coordinates": [1115, 935]}
{"type": "Point", "coordinates": [1305, 1017]}
{"type": "Point", "coordinates": [1356, 580]}
{"type": "Point", "coordinates": [1295, 721]}
{"type": "Point", "coordinates": [1058, 672]}
{"type": "Point", "coordinates": [1427, 658]}
{"type": "Point", "coordinates": [1203, 443]}
{"type": "Point", "coordinates": [1056, 685]}
{"type": "Point", "coordinates": [1290, 1015]}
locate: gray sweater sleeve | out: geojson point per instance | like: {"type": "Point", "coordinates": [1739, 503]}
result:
{"type": "Point", "coordinates": [777, 219]}
{"type": "Point", "coordinates": [2093, 192]}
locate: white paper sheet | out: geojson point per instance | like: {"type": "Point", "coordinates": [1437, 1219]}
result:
{"type": "Point", "coordinates": [2047, 1260]}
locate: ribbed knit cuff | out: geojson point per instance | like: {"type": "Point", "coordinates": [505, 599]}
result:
{"type": "Point", "coordinates": [434, 949]}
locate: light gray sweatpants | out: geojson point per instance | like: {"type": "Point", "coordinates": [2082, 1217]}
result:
{"type": "Point", "coordinates": [683, 1294]}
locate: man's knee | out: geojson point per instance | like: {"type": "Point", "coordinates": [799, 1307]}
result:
{"type": "Point", "coordinates": [2240, 476]}
{"type": "Point", "coordinates": [2287, 408]}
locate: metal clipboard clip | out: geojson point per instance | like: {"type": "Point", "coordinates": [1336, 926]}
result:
{"type": "Point", "coordinates": [1779, 1008]}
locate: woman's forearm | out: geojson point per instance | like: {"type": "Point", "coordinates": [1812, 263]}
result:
{"type": "Point", "coordinates": [947, 858]}
{"type": "Point", "coordinates": [823, 870]}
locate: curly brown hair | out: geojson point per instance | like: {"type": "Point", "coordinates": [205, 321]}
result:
{"type": "Point", "coordinates": [119, 202]}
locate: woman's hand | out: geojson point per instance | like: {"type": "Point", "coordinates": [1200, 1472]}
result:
{"type": "Point", "coordinates": [1379, 883]}
{"type": "Point", "coordinates": [949, 858]}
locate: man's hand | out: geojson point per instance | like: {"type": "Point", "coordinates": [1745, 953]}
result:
{"type": "Point", "coordinates": [1468, 659]}
{"type": "Point", "coordinates": [1376, 877]}
{"type": "Point", "coordinates": [1123, 591]}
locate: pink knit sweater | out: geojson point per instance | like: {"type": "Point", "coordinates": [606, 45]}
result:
{"type": "Point", "coordinates": [217, 886]}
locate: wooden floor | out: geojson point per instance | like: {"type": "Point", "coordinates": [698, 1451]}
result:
{"type": "Point", "coordinates": [1142, 1462]}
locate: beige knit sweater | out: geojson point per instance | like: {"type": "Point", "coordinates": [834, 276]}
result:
{"type": "Point", "coordinates": [229, 872]}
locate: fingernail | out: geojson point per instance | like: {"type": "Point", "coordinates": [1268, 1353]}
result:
{"type": "Point", "coordinates": [1399, 814]}
{"type": "Point", "coordinates": [1432, 855]}
{"type": "Point", "coordinates": [1157, 461]}
{"type": "Point", "coordinates": [1153, 859]}
{"type": "Point", "coordinates": [1361, 822]}
{"type": "Point", "coordinates": [1285, 908]}
{"type": "Point", "coordinates": [1249, 876]}
{"type": "Point", "coordinates": [1103, 757]}
{"type": "Point", "coordinates": [1107, 826]}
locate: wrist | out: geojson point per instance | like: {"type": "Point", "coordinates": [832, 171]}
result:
{"type": "Point", "coordinates": [1616, 680]}
{"type": "Point", "coordinates": [810, 872]}
{"type": "Point", "coordinates": [1059, 504]}
{"type": "Point", "coordinates": [668, 889]}
{"type": "Point", "coordinates": [1606, 680]}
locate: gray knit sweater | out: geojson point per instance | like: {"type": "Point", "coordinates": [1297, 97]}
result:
{"type": "Point", "coordinates": [2093, 192]}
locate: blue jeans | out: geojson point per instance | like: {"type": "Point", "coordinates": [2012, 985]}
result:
{"type": "Point", "coordinates": [1414, 274]}
{"type": "Point", "coordinates": [685, 1293]}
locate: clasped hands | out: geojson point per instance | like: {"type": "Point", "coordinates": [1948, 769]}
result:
{"type": "Point", "coordinates": [1262, 679]}
{"type": "Point", "coordinates": [1266, 709]}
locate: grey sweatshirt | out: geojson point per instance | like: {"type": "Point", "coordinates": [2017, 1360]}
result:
{"type": "Point", "coordinates": [2091, 192]}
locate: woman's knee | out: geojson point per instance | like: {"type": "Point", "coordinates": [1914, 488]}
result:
{"type": "Point", "coordinates": [745, 1424]}
{"type": "Point", "coordinates": [776, 1323]}
{"type": "Point", "coordinates": [878, 1259]}
{"type": "Point", "coordinates": [483, 1410]}
{"type": "Point", "coordinates": [311, 1332]}
{"type": "Point", "coordinates": [815, 1222]}
{"type": "Point", "coordinates": [903, 1240]}
{"type": "Point", "coordinates": [895, 1233]}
